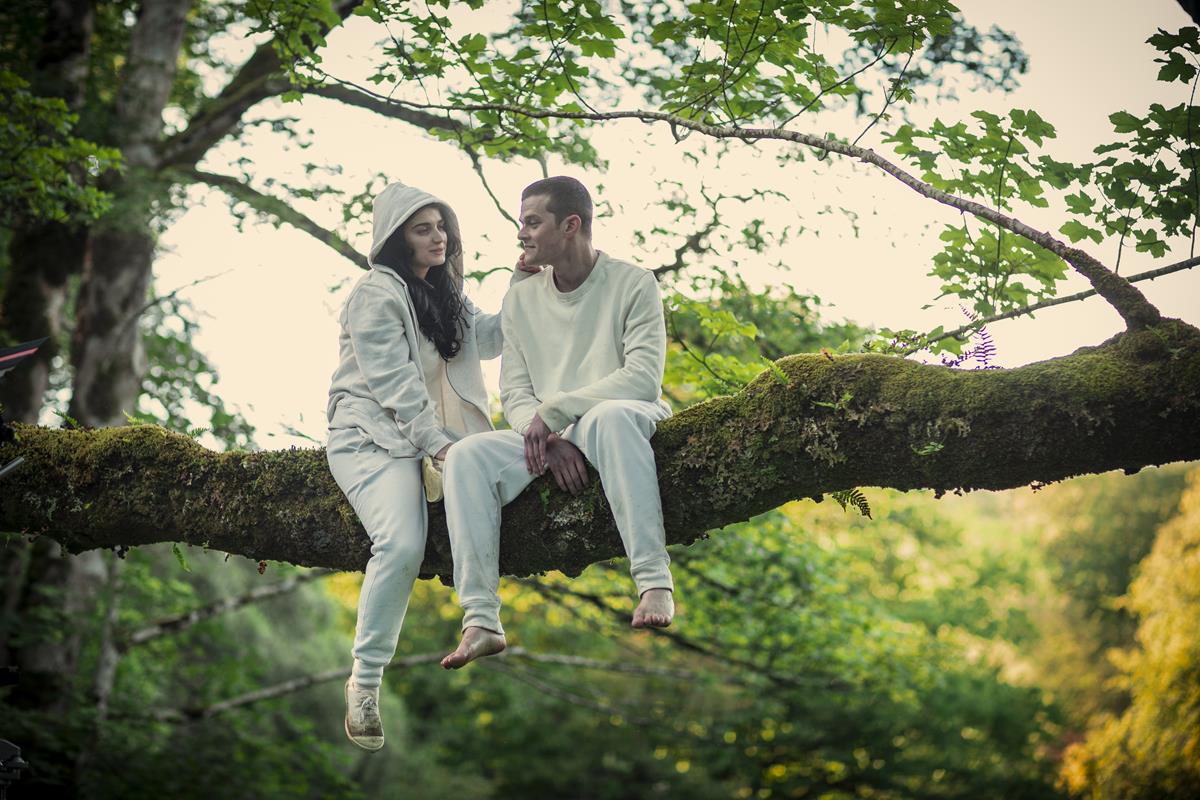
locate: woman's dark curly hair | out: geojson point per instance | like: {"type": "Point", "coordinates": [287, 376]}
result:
{"type": "Point", "coordinates": [437, 298]}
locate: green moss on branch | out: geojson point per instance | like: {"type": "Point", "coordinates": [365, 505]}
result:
{"type": "Point", "coordinates": [838, 422]}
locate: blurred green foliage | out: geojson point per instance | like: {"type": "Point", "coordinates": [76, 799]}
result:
{"type": "Point", "coordinates": [47, 172]}
{"type": "Point", "coordinates": [1152, 748]}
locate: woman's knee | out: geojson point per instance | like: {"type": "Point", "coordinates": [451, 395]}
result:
{"type": "Point", "coordinates": [401, 550]}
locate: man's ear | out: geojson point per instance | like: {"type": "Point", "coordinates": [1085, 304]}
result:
{"type": "Point", "coordinates": [572, 224]}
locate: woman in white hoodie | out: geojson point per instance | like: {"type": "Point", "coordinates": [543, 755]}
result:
{"type": "Point", "coordinates": [408, 385]}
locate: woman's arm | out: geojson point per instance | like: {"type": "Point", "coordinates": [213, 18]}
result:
{"type": "Point", "coordinates": [489, 334]}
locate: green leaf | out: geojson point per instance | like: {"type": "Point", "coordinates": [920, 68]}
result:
{"type": "Point", "coordinates": [1077, 231]}
{"type": "Point", "coordinates": [1079, 203]}
{"type": "Point", "coordinates": [1188, 38]}
{"type": "Point", "coordinates": [1124, 122]}
{"type": "Point", "coordinates": [1176, 68]}
{"type": "Point", "coordinates": [178, 553]}
{"type": "Point", "coordinates": [853, 497]}
{"type": "Point", "coordinates": [776, 372]}
{"type": "Point", "coordinates": [473, 44]}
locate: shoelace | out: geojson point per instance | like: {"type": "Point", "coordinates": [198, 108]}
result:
{"type": "Point", "coordinates": [367, 704]}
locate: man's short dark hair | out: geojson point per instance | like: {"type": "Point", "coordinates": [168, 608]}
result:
{"type": "Point", "coordinates": [564, 197]}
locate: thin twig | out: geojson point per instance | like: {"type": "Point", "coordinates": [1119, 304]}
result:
{"type": "Point", "coordinates": [420, 659]}
{"type": "Point", "coordinates": [1000, 231]}
{"type": "Point", "coordinates": [1149, 275]}
{"type": "Point", "coordinates": [890, 94]}
{"type": "Point", "coordinates": [745, 51]}
{"type": "Point", "coordinates": [701, 360]}
{"type": "Point", "coordinates": [561, 62]}
{"type": "Point", "coordinates": [475, 162]}
{"type": "Point", "coordinates": [556, 592]}
{"type": "Point", "coordinates": [881, 54]}
{"type": "Point", "coordinates": [132, 318]}
{"type": "Point", "coordinates": [1128, 225]}
{"type": "Point", "coordinates": [559, 693]}
{"type": "Point", "coordinates": [1192, 152]}
{"type": "Point", "coordinates": [280, 209]}
{"type": "Point", "coordinates": [171, 295]}
{"type": "Point", "coordinates": [181, 622]}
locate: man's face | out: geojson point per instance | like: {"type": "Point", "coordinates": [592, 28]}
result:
{"type": "Point", "coordinates": [543, 238]}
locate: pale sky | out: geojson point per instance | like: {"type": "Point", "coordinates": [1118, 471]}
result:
{"type": "Point", "coordinates": [270, 323]}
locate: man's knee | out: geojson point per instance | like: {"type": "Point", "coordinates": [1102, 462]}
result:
{"type": "Point", "coordinates": [618, 415]}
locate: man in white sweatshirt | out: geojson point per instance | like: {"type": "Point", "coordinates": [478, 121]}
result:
{"type": "Point", "coordinates": [580, 377]}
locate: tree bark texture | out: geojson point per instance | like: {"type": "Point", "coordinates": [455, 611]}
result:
{"type": "Point", "coordinates": [41, 259]}
{"type": "Point", "coordinates": [825, 423]}
{"type": "Point", "coordinates": [262, 76]}
{"type": "Point", "coordinates": [68, 585]}
{"type": "Point", "coordinates": [106, 347]}
{"type": "Point", "coordinates": [42, 256]}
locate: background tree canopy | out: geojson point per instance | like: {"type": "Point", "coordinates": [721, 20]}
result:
{"type": "Point", "coordinates": [883, 645]}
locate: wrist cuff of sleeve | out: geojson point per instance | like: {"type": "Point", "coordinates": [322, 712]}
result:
{"type": "Point", "coordinates": [436, 442]}
{"type": "Point", "coordinates": [555, 419]}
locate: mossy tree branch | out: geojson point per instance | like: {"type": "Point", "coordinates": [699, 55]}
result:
{"type": "Point", "coordinates": [822, 424]}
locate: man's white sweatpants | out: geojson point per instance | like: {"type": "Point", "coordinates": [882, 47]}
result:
{"type": "Point", "coordinates": [486, 471]}
{"type": "Point", "coordinates": [389, 498]}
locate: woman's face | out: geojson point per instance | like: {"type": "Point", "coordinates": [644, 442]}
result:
{"type": "Point", "coordinates": [425, 235]}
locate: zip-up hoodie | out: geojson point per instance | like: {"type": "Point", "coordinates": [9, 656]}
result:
{"type": "Point", "coordinates": [378, 385]}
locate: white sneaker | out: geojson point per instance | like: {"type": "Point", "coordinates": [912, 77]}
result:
{"type": "Point", "coordinates": [363, 725]}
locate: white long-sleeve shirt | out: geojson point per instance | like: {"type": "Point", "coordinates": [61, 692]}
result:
{"type": "Point", "coordinates": [564, 352]}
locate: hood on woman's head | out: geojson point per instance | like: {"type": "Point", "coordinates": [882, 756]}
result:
{"type": "Point", "coordinates": [395, 204]}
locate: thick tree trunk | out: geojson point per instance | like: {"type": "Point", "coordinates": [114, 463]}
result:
{"type": "Point", "coordinates": [41, 257]}
{"type": "Point", "coordinates": [106, 346]}
{"type": "Point", "coordinates": [108, 658]}
{"type": "Point", "coordinates": [66, 585]}
{"type": "Point", "coordinates": [832, 423]}
{"type": "Point", "coordinates": [43, 254]}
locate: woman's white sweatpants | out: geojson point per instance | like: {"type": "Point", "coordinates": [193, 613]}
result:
{"type": "Point", "coordinates": [486, 471]}
{"type": "Point", "coordinates": [389, 498]}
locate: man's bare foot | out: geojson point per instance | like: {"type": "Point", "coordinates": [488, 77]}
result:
{"type": "Point", "coordinates": [476, 643]}
{"type": "Point", "coordinates": [656, 610]}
